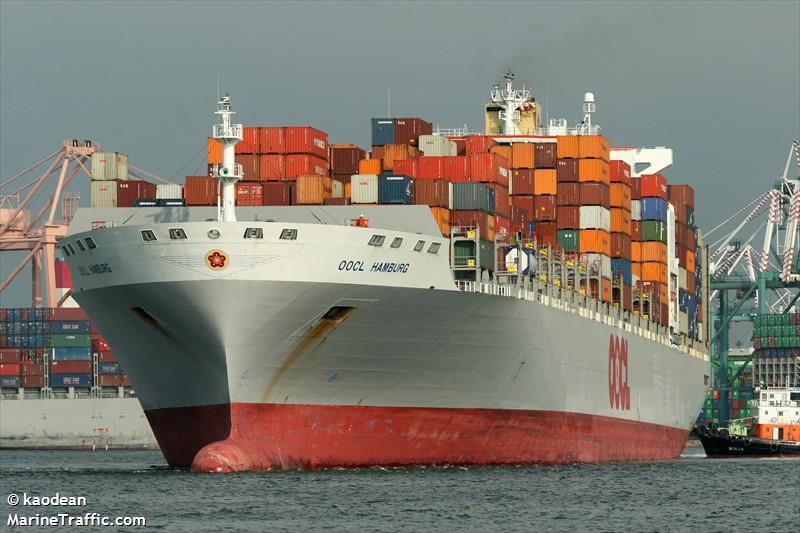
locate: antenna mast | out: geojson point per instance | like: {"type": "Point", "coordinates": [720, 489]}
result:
{"type": "Point", "coordinates": [510, 100]}
{"type": "Point", "coordinates": [229, 172]}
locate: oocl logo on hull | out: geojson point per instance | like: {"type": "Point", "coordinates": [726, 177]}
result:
{"type": "Point", "coordinates": [619, 391]}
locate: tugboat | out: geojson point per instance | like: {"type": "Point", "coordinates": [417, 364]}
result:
{"type": "Point", "coordinates": [774, 431]}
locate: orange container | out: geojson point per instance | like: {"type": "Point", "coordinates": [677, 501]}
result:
{"type": "Point", "coordinates": [272, 167]}
{"type": "Point", "coordinates": [545, 181]}
{"type": "Point", "coordinates": [396, 151]}
{"type": "Point", "coordinates": [567, 147]}
{"type": "Point", "coordinates": [605, 295]}
{"type": "Point", "coordinates": [620, 220]}
{"type": "Point", "coordinates": [595, 241]}
{"type": "Point", "coordinates": [594, 170]}
{"type": "Point", "coordinates": [312, 190]}
{"type": "Point", "coordinates": [442, 217]}
{"type": "Point", "coordinates": [655, 272]}
{"type": "Point", "coordinates": [593, 147]}
{"type": "Point", "coordinates": [636, 268]}
{"type": "Point", "coordinates": [621, 195]}
{"type": "Point", "coordinates": [690, 261]}
{"type": "Point", "coordinates": [503, 150]}
{"type": "Point", "coordinates": [370, 166]}
{"type": "Point", "coordinates": [636, 252]}
{"type": "Point", "coordinates": [523, 155]}
{"type": "Point", "coordinates": [214, 152]}
{"type": "Point", "coordinates": [346, 189]}
{"type": "Point", "coordinates": [654, 252]}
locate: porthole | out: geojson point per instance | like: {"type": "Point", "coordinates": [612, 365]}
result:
{"type": "Point", "coordinates": [213, 233]}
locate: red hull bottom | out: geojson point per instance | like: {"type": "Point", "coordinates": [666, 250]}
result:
{"type": "Point", "coordinates": [238, 437]}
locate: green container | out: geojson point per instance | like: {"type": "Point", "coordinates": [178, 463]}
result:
{"type": "Point", "coordinates": [569, 240]}
{"type": "Point", "coordinates": [735, 395]}
{"type": "Point", "coordinates": [465, 254]}
{"type": "Point", "coordinates": [70, 341]}
{"type": "Point", "coordinates": [654, 230]}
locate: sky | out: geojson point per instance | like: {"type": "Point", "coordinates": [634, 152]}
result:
{"type": "Point", "coordinates": [718, 82]}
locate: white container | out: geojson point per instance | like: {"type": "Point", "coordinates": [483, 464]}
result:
{"type": "Point", "coordinates": [636, 210]}
{"type": "Point", "coordinates": [683, 322]}
{"type": "Point", "coordinates": [337, 189]}
{"type": "Point", "coordinates": [437, 145]}
{"type": "Point", "coordinates": [364, 188]}
{"type": "Point", "coordinates": [598, 261]}
{"type": "Point", "coordinates": [169, 191]}
{"type": "Point", "coordinates": [104, 193]}
{"type": "Point", "coordinates": [109, 166]}
{"type": "Point", "coordinates": [595, 217]}
{"type": "Point", "coordinates": [682, 278]}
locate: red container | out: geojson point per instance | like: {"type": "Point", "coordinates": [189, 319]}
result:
{"type": "Point", "coordinates": [10, 355]}
{"type": "Point", "coordinates": [276, 193]}
{"type": "Point", "coordinates": [620, 245]}
{"type": "Point", "coordinates": [526, 204]}
{"type": "Point", "coordinates": [636, 188]}
{"type": "Point", "coordinates": [9, 369]}
{"type": "Point", "coordinates": [636, 230]}
{"type": "Point", "coordinates": [110, 380]}
{"type": "Point", "coordinates": [478, 144]}
{"type": "Point", "coordinates": [654, 185]}
{"type": "Point", "coordinates": [545, 155]}
{"type": "Point", "coordinates": [461, 145]}
{"type": "Point", "coordinates": [31, 369]}
{"type": "Point", "coordinates": [406, 167]}
{"type": "Point", "coordinates": [567, 169]}
{"type": "Point", "coordinates": [489, 168]}
{"type": "Point", "coordinates": [434, 193]}
{"type": "Point", "coordinates": [336, 201]}
{"type": "Point", "coordinates": [431, 168]}
{"type": "Point", "coordinates": [569, 217]}
{"type": "Point", "coordinates": [249, 193]}
{"type": "Point", "coordinates": [63, 277]}
{"type": "Point", "coordinates": [545, 208]}
{"type": "Point", "coordinates": [501, 202]}
{"type": "Point", "coordinates": [307, 140]}
{"type": "Point", "coordinates": [128, 191]}
{"type": "Point", "coordinates": [569, 193]}
{"type": "Point", "coordinates": [620, 172]}
{"type": "Point", "coordinates": [522, 181]}
{"type": "Point", "coordinates": [345, 157]}
{"type": "Point", "coordinates": [32, 382]}
{"type": "Point", "coordinates": [70, 367]}
{"type": "Point", "coordinates": [681, 194]}
{"type": "Point", "coordinates": [502, 227]}
{"type": "Point", "coordinates": [198, 190]}
{"type": "Point", "coordinates": [479, 219]}
{"type": "Point", "coordinates": [250, 141]}
{"type": "Point", "coordinates": [250, 166]}
{"type": "Point", "coordinates": [272, 167]}
{"type": "Point", "coordinates": [691, 239]}
{"type": "Point", "coordinates": [305, 165]}
{"type": "Point", "coordinates": [595, 193]}
{"type": "Point", "coordinates": [546, 234]}
{"type": "Point", "coordinates": [272, 140]}
{"type": "Point", "coordinates": [457, 168]}
{"type": "Point", "coordinates": [68, 313]}
{"type": "Point", "coordinates": [107, 356]}
{"type": "Point", "coordinates": [518, 219]}
{"type": "Point", "coordinates": [408, 130]}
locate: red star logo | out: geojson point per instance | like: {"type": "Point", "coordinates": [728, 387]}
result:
{"type": "Point", "coordinates": [216, 260]}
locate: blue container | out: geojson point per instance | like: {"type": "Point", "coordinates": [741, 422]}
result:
{"type": "Point", "coordinates": [109, 368]}
{"type": "Point", "coordinates": [531, 226]}
{"type": "Point", "coordinates": [143, 202]}
{"type": "Point", "coordinates": [395, 189]}
{"type": "Point", "coordinates": [71, 354]}
{"type": "Point", "coordinates": [622, 268]}
{"type": "Point", "coordinates": [170, 202]}
{"type": "Point", "coordinates": [383, 131]}
{"type": "Point", "coordinates": [71, 380]}
{"type": "Point", "coordinates": [654, 209]}
{"type": "Point", "coordinates": [9, 381]}
{"type": "Point", "coordinates": [63, 327]}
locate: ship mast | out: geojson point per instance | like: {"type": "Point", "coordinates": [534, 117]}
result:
{"type": "Point", "coordinates": [229, 172]}
{"type": "Point", "coordinates": [510, 100]}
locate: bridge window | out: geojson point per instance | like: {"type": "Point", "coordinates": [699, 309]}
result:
{"type": "Point", "coordinates": [80, 245]}
{"type": "Point", "coordinates": [148, 235]}
{"type": "Point", "coordinates": [419, 246]}
{"type": "Point", "coordinates": [377, 240]}
{"type": "Point", "coordinates": [289, 234]}
{"type": "Point", "coordinates": [254, 233]}
{"type": "Point", "coordinates": [90, 243]}
{"type": "Point", "coordinates": [71, 249]}
{"type": "Point", "coordinates": [66, 251]}
{"type": "Point", "coordinates": [434, 248]}
{"type": "Point", "coordinates": [177, 234]}
{"type": "Point", "coordinates": [397, 242]}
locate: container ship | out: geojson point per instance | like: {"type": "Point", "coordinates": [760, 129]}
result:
{"type": "Point", "coordinates": [520, 296]}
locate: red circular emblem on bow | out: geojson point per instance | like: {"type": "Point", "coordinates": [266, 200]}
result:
{"type": "Point", "coordinates": [216, 260]}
